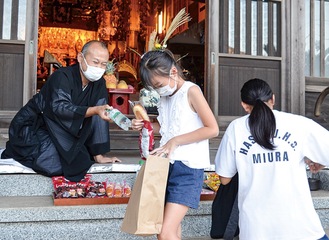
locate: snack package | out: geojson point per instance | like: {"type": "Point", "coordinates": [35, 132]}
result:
{"type": "Point", "coordinates": [139, 110]}
{"type": "Point", "coordinates": [126, 190]}
{"type": "Point", "coordinates": [146, 140]}
{"type": "Point", "coordinates": [64, 188]}
{"type": "Point", "coordinates": [118, 190]}
{"type": "Point", "coordinates": [212, 181]}
{"type": "Point", "coordinates": [146, 136]}
{"type": "Point", "coordinates": [96, 189]}
{"type": "Point", "coordinates": [110, 189]}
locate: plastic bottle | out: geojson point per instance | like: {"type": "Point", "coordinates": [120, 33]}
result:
{"type": "Point", "coordinates": [119, 118]}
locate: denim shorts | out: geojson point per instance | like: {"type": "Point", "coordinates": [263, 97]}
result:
{"type": "Point", "coordinates": [325, 237]}
{"type": "Point", "coordinates": [184, 185]}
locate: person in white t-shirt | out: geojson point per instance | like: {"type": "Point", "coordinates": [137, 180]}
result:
{"type": "Point", "coordinates": [185, 123]}
{"type": "Point", "coordinates": [268, 149]}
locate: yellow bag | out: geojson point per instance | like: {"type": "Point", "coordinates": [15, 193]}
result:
{"type": "Point", "coordinates": [144, 213]}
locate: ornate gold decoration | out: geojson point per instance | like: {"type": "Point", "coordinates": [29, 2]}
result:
{"type": "Point", "coordinates": [181, 18]}
{"type": "Point", "coordinates": [125, 66]}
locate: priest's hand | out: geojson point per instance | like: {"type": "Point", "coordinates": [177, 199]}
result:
{"type": "Point", "coordinates": [100, 111]}
{"type": "Point", "coordinates": [102, 159]}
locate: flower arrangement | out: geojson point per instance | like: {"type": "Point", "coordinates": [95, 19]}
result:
{"type": "Point", "coordinates": [181, 18]}
{"type": "Point", "coordinates": [154, 43]}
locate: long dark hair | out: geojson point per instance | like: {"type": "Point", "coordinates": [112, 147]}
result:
{"type": "Point", "coordinates": [256, 92]}
{"type": "Point", "coordinates": [157, 63]}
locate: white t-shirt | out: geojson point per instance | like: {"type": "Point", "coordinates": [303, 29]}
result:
{"type": "Point", "coordinates": [274, 197]}
{"type": "Point", "coordinates": [176, 118]}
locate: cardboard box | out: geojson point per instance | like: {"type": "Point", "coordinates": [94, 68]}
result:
{"type": "Point", "coordinates": [205, 196]}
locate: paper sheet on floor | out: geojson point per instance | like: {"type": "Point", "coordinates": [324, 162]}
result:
{"type": "Point", "coordinates": [113, 167]}
{"type": "Point", "coordinates": [11, 166]}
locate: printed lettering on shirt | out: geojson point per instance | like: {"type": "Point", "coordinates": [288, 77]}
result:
{"type": "Point", "coordinates": [270, 157]}
{"type": "Point", "coordinates": [284, 136]}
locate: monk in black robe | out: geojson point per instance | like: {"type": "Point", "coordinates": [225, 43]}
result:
{"type": "Point", "coordinates": [64, 128]}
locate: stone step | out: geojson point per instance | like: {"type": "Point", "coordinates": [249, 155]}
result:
{"type": "Point", "coordinates": [36, 217]}
{"type": "Point", "coordinates": [38, 185]}
{"type": "Point", "coordinates": [121, 140]}
{"type": "Point", "coordinates": [26, 206]}
{"type": "Point", "coordinates": [27, 210]}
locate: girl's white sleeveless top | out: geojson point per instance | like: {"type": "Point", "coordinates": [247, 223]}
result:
{"type": "Point", "coordinates": [176, 117]}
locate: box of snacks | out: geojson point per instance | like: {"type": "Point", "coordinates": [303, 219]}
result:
{"type": "Point", "coordinates": [90, 192]}
{"type": "Point", "coordinates": [87, 192]}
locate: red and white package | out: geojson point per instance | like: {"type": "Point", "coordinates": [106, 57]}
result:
{"type": "Point", "coordinates": [146, 140]}
{"type": "Point", "coordinates": [63, 188]}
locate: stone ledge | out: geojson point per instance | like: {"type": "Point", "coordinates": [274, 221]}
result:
{"type": "Point", "coordinates": [20, 209]}
{"type": "Point", "coordinates": [41, 220]}
{"type": "Point", "coordinates": [38, 185]}
{"type": "Point", "coordinates": [73, 230]}
{"type": "Point", "coordinates": [41, 208]}
{"type": "Point", "coordinates": [323, 176]}
{"type": "Point", "coordinates": [82, 222]}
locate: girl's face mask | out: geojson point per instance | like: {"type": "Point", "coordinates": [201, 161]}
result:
{"type": "Point", "coordinates": [92, 73]}
{"type": "Point", "coordinates": [166, 90]}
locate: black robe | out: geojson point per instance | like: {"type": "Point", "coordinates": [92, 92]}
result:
{"type": "Point", "coordinates": [51, 135]}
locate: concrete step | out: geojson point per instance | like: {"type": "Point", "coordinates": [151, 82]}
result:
{"type": "Point", "coordinates": [27, 210]}
{"type": "Point", "coordinates": [26, 206]}
{"type": "Point", "coordinates": [38, 185]}
{"type": "Point", "coordinates": [12, 185]}
{"type": "Point", "coordinates": [36, 217]}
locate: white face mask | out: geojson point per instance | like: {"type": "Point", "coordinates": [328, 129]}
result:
{"type": "Point", "coordinates": [92, 73]}
{"type": "Point", "coordinates": [166, 90]}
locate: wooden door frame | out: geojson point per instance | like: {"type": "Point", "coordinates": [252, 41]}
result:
{"type": "Point", "coordinates": [31, 50]}
{"type": "Point", "coordinates": [293, 56]}
{"type": "Point", "coordinates": [292, 60]}
{"type": "Point", "coordinates": [211, 85]}
{"type": "Point", "coordinates": [30, 45]}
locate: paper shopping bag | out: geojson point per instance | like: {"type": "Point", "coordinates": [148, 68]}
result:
{"type": "Point", "coordinates": [144, 213]}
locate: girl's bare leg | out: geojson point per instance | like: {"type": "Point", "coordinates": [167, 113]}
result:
{"type": "Point", "coordinates": [179, 231]}
{"type": "Point", "coordinates": [173, 216]}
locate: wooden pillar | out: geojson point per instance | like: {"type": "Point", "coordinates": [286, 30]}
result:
{"type": "Point", "coordinates": [293, 56]}
{"type": "Point", "coordinates": [211, 54]}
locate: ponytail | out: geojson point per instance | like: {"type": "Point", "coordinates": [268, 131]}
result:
{"type": "Point", "coordinates": [262, 122]}
{"type": "Point", "coordinates": [262, 125]}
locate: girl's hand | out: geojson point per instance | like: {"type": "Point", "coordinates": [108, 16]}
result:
{"type": "Point", "coordinates": [137, 124]}
{"type": "Point", "coordinates": [314, 167]}
{"type": "Point", "coordinates": [165, 150]}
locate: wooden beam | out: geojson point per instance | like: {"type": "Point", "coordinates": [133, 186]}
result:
{"type": "Point", "coordinates": [14, 20]}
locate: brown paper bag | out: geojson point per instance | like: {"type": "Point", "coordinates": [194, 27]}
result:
{"type": "Point", "coordinates": [144, 213]}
